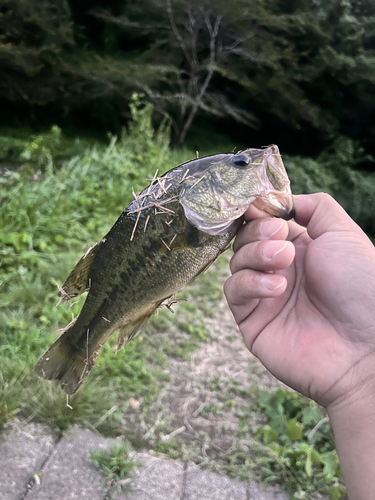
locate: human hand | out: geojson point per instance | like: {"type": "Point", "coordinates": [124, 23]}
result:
{"type": "Point", "coordinates": [308, 311]}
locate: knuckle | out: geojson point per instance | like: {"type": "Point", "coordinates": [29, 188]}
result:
{"type": "Point", "coordinates": [325, 198]}
{"type": "Point", "coordinates": [228, 290]}
{"type": "Point", "coordinates": [232, 263]}
{"type": "Point", "coordinates": [243, 280]}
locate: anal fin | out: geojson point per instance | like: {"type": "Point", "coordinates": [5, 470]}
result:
{"type": "Point", "coordinates": [128, 331]}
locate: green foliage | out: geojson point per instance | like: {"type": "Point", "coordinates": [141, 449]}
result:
{"type": "Point", "coordinates": [146, 143]}
{"type": "Point", "coordinates": [94, 407]}
{"type": "Point", "coordinates": [34, 33]}
{"type": "Point", "coordinates": [10, 382]}
{"type": "Point", "coordinates": [298, 446]}
{"type": "Point", "coordinates": [54, 206]}
{"type": "Point", "coordinates": [169, 447]}
{"type": "Point", "coordinates": [293, 69]}
{"type": "Point", "coordinates": [135, 371]}
{"type": "Point", "coordinates": [53, 209]}
{"type": "Point", "coordinates": [334, 172]}
{"type": "Point", "coordinates": [116, 465]}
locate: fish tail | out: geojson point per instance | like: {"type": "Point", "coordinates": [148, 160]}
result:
{"type": "Point", "coordinates": [64, 364]}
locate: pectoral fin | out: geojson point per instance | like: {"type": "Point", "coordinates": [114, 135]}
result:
{"type": "Point", "coordinates": [78, 281]}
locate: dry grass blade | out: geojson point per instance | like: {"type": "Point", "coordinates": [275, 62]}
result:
{"type": "Point", "coordinates": [195, 183]}
{"type": "Point", "coordinates": [162, 188]}
{"type": "Point", "coordinates": [148, 218]}
{"type": "Point", "coordinates": [160, 204]}
{"type": "Point", "coordinates": [63, 330]}
{"type": "Point", "coordinates": [164, 243]}
{"type": "Point", "coordinates": [135, 226]}
{"type": "Point", "coordinates": [185, 175]}
{"type": "Point", "coordinates": [63, 295]}
{"type": "Point", "coordinates": [163, 210]}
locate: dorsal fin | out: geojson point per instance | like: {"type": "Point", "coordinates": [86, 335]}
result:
{"type": "Point", "coordinates": [78, 282]}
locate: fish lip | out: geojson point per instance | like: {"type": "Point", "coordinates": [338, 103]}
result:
{"type": "Point", "coordinates": [282, 204]}
{"type": "Point", "coordinates": [291, 214]}
{"type": "Point", "coordinates": [287, 203]}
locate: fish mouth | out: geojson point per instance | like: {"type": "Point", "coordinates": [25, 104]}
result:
{"type": "Point", "coordinates": [278, 204]}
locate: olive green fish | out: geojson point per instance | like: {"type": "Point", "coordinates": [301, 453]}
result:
{"type": "Point", "coordinates": [168, 235]}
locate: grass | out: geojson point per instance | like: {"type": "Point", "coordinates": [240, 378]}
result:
{"type": "Point", "coordinates": [50, 215]}
{"type": "Point", "coordinates": [54, 206]}
{"type": "Point", "coordinates": [60, 200]}
{"type": "Point", "coordinates": [116, 465]}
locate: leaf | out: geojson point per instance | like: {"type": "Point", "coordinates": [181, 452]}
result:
{"type": "Point", "coordinates": [331, 463]}
{"type": "Point", "coordinates": [268, 434]}
{"type": "Point", "coordinates": [308, 465]}
{"type": "Point", "coordinates": [294, 430]}
{"type": "Point", "coordinates": [336, 492]}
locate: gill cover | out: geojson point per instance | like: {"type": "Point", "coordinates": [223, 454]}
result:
{"type": "Point", "coordinates": [217, 197]}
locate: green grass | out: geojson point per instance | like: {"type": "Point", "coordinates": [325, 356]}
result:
{"type": "Point", "coordinates": [116, 465]}
{"type": "Point", "coordinates": [62, 198]}
{"type": "Point", "coordinates": [52, 211]}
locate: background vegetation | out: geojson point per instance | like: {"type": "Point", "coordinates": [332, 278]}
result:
{"type": "Point", "coordinates": [95, 96]}
{"type": "Point", "coordinates": [63, 196]}
{"type": "Point", "coordinates": [297, 73]}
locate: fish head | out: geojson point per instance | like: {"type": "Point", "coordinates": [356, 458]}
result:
{"type": "Point", "coordinates": [214, 199]}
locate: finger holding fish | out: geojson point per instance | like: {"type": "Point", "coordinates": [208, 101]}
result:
{"type": "Point", "coordinates": [265, 256]}
{"type": "Point", "coordinates": [264, 229]}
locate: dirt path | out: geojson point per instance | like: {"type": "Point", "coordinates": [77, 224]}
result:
{"type": "Point", "coordinates": [204, 413]}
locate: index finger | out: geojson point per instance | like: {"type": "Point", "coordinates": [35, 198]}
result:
{"type": "Point", "coordinates": [320, 213]}
{"type": "Point", "coordinates": [267, 228]}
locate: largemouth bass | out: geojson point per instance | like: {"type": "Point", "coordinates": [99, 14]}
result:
{"type": "Point", "coordinates": [168, 235]}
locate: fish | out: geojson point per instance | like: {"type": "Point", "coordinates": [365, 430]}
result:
{"type": "Point", "coordinates": [167, 236]}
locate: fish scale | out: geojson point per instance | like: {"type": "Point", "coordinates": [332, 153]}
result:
{"type": "Point", "coordinates": [133, 270]}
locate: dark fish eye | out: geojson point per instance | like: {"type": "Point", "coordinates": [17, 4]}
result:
{"type": "Point", "coordinates": [241, 160]}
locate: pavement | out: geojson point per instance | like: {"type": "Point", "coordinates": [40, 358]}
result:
{"type": "Point", "coordinates": [37, 465]}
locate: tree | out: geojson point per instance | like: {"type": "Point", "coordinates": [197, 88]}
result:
{"type": "Point", "coordinates": [204, 47]}
{"type": "Point", "coordinates": [33, 34]}
{"type": "Point", "coordinates": [297, 70]}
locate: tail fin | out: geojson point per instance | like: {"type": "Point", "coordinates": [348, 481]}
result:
{"type": "Point", "coordinates": [61, 363]}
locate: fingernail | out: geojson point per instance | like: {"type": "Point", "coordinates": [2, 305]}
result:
{"type": "Point", "coordinates": [272, 248]}
{"type": "Point", "coordinates": [269, 227]}
{"type": "Point", "coordinates": [272, 281]}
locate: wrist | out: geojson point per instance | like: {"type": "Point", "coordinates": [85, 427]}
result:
{"type": "Point", "coordinates": [354, 391]}
{"type": "Point", "coordinates": [353, 423]}
{"type": "Point", "coordinates": [354, 414]}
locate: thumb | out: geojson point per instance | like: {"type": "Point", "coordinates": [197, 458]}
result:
{"type": "Point", "coordinates": [320, 214]}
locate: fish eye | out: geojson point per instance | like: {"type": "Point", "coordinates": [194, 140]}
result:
{"type": "Point", "coordinates": [241, 160]}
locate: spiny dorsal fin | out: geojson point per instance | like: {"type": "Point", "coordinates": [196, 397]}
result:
{"type": "Point", "coordinates": [78, 282]}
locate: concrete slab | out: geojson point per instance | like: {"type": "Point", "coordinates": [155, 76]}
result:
{"type": "Point", "coordinates": [68, 473]}
{"type": "Point", "coordinates": [260, 492]}
{"type": "Point", "coordinates": [62, 470]}
{"type": "Point", "coordinates": [158, 479]}
{"type": "Point", "coordinates": [23, 450]}
{"type": "Point", "coordinates": [204, 485]}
